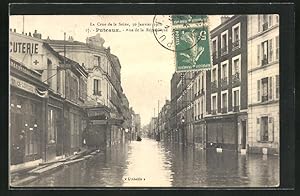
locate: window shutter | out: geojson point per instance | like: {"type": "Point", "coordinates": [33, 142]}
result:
{"type": "Point", "coordinates": [258, 132]}
{"type": "Point", "coordinates": [258, 90]}
{"type": "Point", "coordinates": [277, 86]}
{"type": "Point", "coordinates": [270, 50]}
{"type": "Point", "coordinates": [258, 54]}
{"type": "Point", "coordinates": [258, 21]}
{"type": "Point", "coordinates": [270, 93]}
{"type": "Point", "coordinates": [271, 129]}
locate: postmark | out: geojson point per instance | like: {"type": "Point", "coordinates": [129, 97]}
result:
{"type": "Point", "coordinates": [187, 36]}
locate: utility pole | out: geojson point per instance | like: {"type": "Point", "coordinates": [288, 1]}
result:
{"type": "Point", "coordinates": [158, 120]}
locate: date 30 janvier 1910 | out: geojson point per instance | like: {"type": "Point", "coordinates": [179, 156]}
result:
{"type": "Point", "coordinates": [134, 179]}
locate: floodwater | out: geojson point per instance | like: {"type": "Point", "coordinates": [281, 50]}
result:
{"type": "Point", "coordinates": [155, 164]}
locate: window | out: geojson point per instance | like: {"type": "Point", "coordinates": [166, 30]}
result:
{"type": "Point", "coordinates": [236, 100]}
{"type": "Point", "coordinates": [236, 36]}
{"type": "Point", "coordinates": [264, 84]}
{"type": "Point", "coordinates": [236, 66]}
{"type": "Point", "coordinates": [224, 43]}
{"type": "Point", "coordinates": [202, 107]}
{"type": "Point", "coordinates": [277, 18]}
{"type": "Point", "coordinates": [99, 61]}
{"type": "Point", "coordinates": [258, 90]}
{"type": "Point", "coordinates": [277, 47]}
{"type": "Point", "coordinates": [264, 47]}
{"type": "Point", "coordinates": [265, 22]}
{"type": "Point", "coordinates": [214, 74]}
{"type": "Point", "coordinates": [97, 87]}
{"type": "Point", "coordinates": [214, 104]}
{"type": "Point", "coordinates": [224, 70]}
{"type": "Point", "coordinates": [224, 73]}
{"type": "Point", "coordinates": [264, 129]}
{"type": "Point", "coordinates": [58, 82]}
{"type": "Point", "coordinates": [277, 86]}
{"type": "Point", "coordinates": [224, 102]}
{"type": "Point", "coordinates": [202, 82]}
{"type": "Point", "coordinates": [270, 20]}
{"type": "Point", "coordinates": [215, 48]}
{"type": "Point", "coordinates": [49, 72]}
{"type": "Point", "coordinates": [258, 55]}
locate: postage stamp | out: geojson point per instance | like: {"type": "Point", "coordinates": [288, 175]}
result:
{"type": "Point", "coordinates": [187, 36]}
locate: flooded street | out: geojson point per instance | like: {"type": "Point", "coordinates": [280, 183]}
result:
{"type": "Point", "coordinates": [155, 164]}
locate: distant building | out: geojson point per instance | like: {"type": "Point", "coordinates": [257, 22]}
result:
{"type": "Point", "coordinates": [263, 85]}
{"type": "Point", "coordinates": [104, 90]}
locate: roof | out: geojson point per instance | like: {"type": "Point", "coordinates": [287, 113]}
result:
{"type": "Point", "coordinates": [61, 42]}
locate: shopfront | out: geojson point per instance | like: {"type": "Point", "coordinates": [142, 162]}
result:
{"type": "Point", "coordinates": [26, 114]}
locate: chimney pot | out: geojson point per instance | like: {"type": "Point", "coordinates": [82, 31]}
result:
{"type": "Point", "coordinates": [29, 34]}
{"type": "Point", "coordinates": [15, 30]}
{"type": "Point", "coordinates": [35, 31]}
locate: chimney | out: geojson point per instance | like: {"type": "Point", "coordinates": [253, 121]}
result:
{"type": "Point", "coordinates": [224, 18]}
{"type": "Point", "coordinates": [37, 35]}
{"type": "Point", "coordinates": [29, 34]}
{"type": "Point", "coordinates": [15, 30]}
{"type": "Point", "coordinates": [70, 39]}
{"type": "Point", "coordinates": [25, 33]}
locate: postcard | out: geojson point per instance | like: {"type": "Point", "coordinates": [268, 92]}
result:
{"type": "Point", "coordinates": [144, 101]}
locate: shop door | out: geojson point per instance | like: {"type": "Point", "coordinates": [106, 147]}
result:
{"type": "Point", "coordinates": [244, 134]}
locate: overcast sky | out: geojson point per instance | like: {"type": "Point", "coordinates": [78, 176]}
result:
{"type": "Point", "coordinates": [147, 67]}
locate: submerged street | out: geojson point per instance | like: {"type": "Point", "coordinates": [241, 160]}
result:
{"type": "Point", "coordinates": [156, 164]}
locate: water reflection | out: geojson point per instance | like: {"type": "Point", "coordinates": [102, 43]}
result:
{"type": "Point", "coordinates": [155, 164]}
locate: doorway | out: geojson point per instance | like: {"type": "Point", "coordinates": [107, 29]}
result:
{"type": "Point", "coordinates": [244, 134]}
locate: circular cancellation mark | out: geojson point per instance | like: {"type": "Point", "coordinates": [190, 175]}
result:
{"type": "Point", "coordinates": [167, 34]}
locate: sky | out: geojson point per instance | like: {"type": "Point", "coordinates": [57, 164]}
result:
{"type": "Point", "coordinates": [146, 67]}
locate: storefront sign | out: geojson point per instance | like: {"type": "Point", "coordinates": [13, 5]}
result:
{"type": "Point", "coordinates": [24, 47]}
{"type": "Point", "coordinates": [23, 68]}
{"type": "Point", "coordinates": [22, 85]}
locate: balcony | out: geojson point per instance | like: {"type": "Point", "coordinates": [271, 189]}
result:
{"type": "Point", "coordinates": [264, 61]}
{"type": "Point", "coordinates": [213, 111]}
{"type": "Point", "coordinates": [265, 26]}
{"type": "Point", "coordinates": [224, 82]}
{"type": "Point", "coordinates": [236, 108]}
{"type": "Point", "coordinates": [264, 98]}
{"type": "Point", "coordinates": [224, 110]}
{"type": "Point", "coordinates": [98, 93]}
{"type": "Point", "coordinates": [236, 79]}
{"type": "Point", "coordinates": [224, 50]}
{"type": "Point", "coordinates": [214, 86]}
{"type": "Point", "coordinates": [235, 44]}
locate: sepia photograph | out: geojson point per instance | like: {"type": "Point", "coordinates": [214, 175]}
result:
{"type": "Point", "coordinates": [144, 101]}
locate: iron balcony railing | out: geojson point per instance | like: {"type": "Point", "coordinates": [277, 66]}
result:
{"type": "Point", "coordinates": [224, 110]}
{"type": "Point", "coordinates": [224, 50]}
{"type": "Point", "coordinates": [235, 44]}
{"type": "Point", "coordinates": [264, 61]}
{"type": "Point", "coordinates": [236, 108]}
{"type": "Point", "coordinates": [214, 86]}
{"type": "Point", "coordinates": [224, 82]}
{"type": "Point", "coordinates": [265, 26]}
{"type": "Point", "coordinates": [236, 78]}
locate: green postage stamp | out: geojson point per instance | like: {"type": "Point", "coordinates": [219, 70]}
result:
{"type": "Point", "coordinates": [192, 47]}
